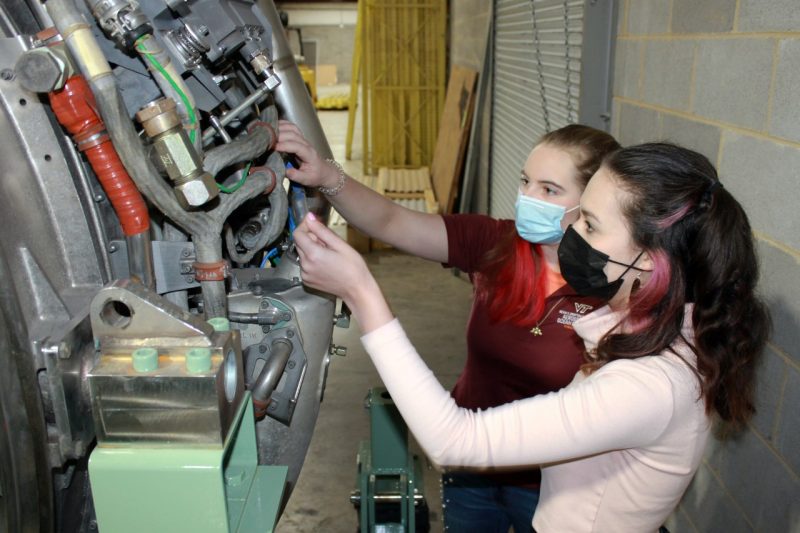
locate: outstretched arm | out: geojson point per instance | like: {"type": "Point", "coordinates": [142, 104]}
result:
{"type": "Point", "coordinates": [624, 404]}
{"type": "Point", "coordinates": [420, 234]}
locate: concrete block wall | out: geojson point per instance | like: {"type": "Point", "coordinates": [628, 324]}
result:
{"type": "Point", "coordinates": [331, 26]}
{"type": "Point", "coordinates": [335, 46]}
{"type": "Point", "coordinates": [723, 77]}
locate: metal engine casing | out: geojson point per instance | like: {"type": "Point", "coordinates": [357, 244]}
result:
{"type": "Point", "coordinates": [63, 244]}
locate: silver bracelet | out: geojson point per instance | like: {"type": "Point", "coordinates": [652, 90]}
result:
{"type": "Point", "coordinates": [333, 191]}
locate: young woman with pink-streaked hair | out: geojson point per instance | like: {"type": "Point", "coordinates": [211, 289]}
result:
{"type": "Point", "coordinates": [675, 348]}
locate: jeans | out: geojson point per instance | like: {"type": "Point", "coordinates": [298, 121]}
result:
{"type": "Point", "coordinates": [471, 503]}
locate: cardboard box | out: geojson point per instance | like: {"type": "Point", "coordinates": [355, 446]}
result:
{"type": "Point", "coordinates": [326, 75]}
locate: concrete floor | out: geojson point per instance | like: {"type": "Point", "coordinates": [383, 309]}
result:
{"type": "Point", "coordinates": [432, 304]}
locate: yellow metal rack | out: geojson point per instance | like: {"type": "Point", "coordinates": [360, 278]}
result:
{"type": "Point", "coordinates": [400, 48]}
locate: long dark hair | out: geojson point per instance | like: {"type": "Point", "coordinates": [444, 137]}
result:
{"type": "Point", "coordinates": [514, 275]}
{"type": "Point", "coordinates": [703, 252]}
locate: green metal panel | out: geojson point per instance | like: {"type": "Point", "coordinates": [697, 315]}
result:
{"type": "Point", "coordinates": [388, 433]}
{"type": "Point", "coordinates": [181, 489]}
{"type": "Point", "coordinates": [387, 468]}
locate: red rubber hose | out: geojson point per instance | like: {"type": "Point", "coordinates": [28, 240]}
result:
{"type": "Point", "coordinates": [75, 108]}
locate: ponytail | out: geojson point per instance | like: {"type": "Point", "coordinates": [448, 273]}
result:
{"type": "Point", "coordinates": [703, 253]}
{"type": "Point", "coordinates": [731, 323]}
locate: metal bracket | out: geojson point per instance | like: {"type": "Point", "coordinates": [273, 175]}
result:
{"type": "Point", "coordinates": [173, 265]}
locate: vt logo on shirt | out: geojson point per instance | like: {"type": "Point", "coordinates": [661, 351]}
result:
{"type": "Point", "coordinates": [568, 317]}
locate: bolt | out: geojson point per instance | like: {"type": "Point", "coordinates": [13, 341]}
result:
{"type": "Point", "coordinates": [262, 349]}
{"type": "Point", "coordinates": [7, 74]}
{"type": "Point", "coordinates": [286, 316]}
{"type": "Point", "coordinates": [186, 252]}
{"type": "Point", "coordinates": [264, 304]}
{"type": "Point", "coordinates": [290, 333]}
{"type": "Point", "coordinates": [41, 70]}
{"type": "Point", "coordinates": [185, 269]}
{"type": "Point", "coordinates": [203, 30]}
{"type": "Point", "coordinates": [272, 406]}
{"type": "Point", "coordinates": [189, 279]}
{"type": "Point", "coordinates": [112, 248]}
{"type": "Point", "coordinates": [291, 364]}
{"type": "Point", "coordinates": [265, 329]}
{"type": "Point", "coordinates": [64, 351]}
{"type": "Point", "coordinates": [98, 197]}
{"type": "Point", "coordinates": [257, 290]}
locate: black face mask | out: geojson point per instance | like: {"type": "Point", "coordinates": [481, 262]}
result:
{"type": "Point", "coordinates": [582, 267]}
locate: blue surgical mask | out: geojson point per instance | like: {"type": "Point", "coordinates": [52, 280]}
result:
{"type": "Point", "coordinates": [539, 221]}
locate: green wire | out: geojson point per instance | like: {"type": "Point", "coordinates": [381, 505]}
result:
{"type": "Point", "coordinates": [238, 184]}
{"type": "Point", "coordinates": [192, 117]}
{"type": "Point", "coordinates": [184, 98]}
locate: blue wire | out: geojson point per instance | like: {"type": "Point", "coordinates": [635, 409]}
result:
{"type": "Point", "coordinates": [269, 255]}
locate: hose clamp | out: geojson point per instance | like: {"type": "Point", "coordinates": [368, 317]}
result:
{"type": "Point", "coordinates": [212, 271]}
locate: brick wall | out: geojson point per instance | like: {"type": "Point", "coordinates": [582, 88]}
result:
{"type": "Point", "coordinates": [723, 77]}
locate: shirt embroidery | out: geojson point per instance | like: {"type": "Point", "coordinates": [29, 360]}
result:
{"type": "Point", "coordinates": [567, 317]}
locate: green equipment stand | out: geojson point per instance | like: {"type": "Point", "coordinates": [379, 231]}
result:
{"type": "Point", "coordinates": [390, 489]}
{"type": "Point", "coordinates": [187, 489]}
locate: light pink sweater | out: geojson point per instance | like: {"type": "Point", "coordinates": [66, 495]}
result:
{"type": "Point", "coordinates": [618, 447]}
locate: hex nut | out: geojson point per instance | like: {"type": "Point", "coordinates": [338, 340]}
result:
{"type": "Point", "coordinates": [41, 70]}
{"type": "Point", "coordinates": [196, 192]}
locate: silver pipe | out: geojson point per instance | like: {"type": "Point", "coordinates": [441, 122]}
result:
{"type": "Point", "coordinates": [140, 258]}
{"type": "Point", "coordinates": [294, 102]}
{"type": "Point", "coordinates": [389, 497]}
{"type": "Point", "coordinates": [271, 373]}
{"type": "Point", "coordinates": [228, 117]}
{"type": "Point", "coordinates": [209, 250]}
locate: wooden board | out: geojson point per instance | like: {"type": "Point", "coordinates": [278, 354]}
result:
{"type": "Point", "coordinates": [410, 188]}
{"type": "Point", "coordinates": [454, 128]}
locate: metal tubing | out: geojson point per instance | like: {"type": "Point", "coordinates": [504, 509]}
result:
{"type": "Point", "coordinates": [293, 100]}
{"type": "Point", "coordinates": [271, 374]}
{"type": "Point", "coordinates": [228, 117]}
{"type": "Point", "coordinates": [389, 497]}
{"type": "Point", "coordinates": [140, 258]}
{"type": "Point", "coordinates": [214, 298]}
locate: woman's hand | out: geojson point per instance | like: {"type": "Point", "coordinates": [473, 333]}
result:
{"type": "Point", "coordinates": [314, 171]}
{"type": "Point", "coordinates": [329, 264]}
